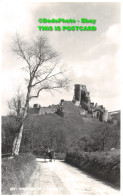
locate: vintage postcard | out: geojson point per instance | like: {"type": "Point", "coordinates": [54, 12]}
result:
{"type": "Point", "coordinates": [60, 90]}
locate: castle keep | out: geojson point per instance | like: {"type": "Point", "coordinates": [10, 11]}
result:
{"type": "Point", "coordinates": [82, 98]}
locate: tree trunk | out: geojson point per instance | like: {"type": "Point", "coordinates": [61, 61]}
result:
{"type": "Point", "coordinates": [17, 142]}
{"type": "Point", "coordinates": [18, 138]}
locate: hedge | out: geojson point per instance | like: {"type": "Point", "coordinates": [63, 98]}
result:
{"type": "Point", "coordinates": [104, 165]}
{"type": "Point", "coordinates": [16, 172]}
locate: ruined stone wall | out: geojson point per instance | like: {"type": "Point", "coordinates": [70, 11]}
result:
{"type": "Point", "coordinates": [38, 110]}
{"type": "Point", "coordinates": [33, 110]}
{"type": "Point", "coordinates": [47, 110]}
{"type": "Point", "coordinates": [105, 115]}
{"type": "Point", "coordinates": [77, 92]}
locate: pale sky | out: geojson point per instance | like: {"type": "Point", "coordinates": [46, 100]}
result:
{"type": "Point", "coordinates": [92, 58]}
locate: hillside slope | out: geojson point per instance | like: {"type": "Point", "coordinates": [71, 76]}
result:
{"type": "Point", "coordinates": [68, 133]}
{"type": "Point", "coordinates": [51, 129]}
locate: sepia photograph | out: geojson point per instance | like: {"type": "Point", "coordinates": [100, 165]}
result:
{"type": "Point", "coordinates": [60, 98]}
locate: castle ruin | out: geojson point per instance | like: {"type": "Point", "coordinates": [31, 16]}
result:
{"type": "Point", "coordinates": [38, 110]}
{"type": "Point", "coordinates": [82, 98]}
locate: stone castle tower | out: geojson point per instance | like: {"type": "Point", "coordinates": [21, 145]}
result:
{"type": "Point", "coordinates": [82, 98]}
{"type": "Point", "coordinates": [81, 95]}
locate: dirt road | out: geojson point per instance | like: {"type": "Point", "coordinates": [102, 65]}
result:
{"type": "Point", "coordinates": [60, 178]}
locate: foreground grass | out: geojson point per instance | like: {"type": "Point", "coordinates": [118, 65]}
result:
{"type": "Point", "coordinates": [16, 172]}
{"type": "Point", "coordinates": [104, 165]}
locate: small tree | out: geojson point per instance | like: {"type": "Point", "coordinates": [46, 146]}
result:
{"type": "Point", "coordinates": [16, 104]}
{"type": "Point", "coordinates": [103, 137]}
{"type": "Point", "coordinates": [85, 143]}
{"type": "Point", "coordinates": [44, 73]}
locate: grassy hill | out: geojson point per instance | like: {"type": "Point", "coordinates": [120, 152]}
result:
{"type": "Point", "coordinates": [61, 133]}
{"type": "Point", "coordinates": [50, 129]}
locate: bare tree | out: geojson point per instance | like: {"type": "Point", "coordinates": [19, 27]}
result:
{"type": "Point", "coordinates": [16, 104]}
{"type": "Point", "coordinates": [44, 73]}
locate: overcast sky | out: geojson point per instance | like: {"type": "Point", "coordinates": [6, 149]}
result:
{"type": "Point", "coordinates": [92, 58]}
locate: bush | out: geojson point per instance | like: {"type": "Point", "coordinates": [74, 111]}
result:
{"type": "Point", "coordinates": [60, 156]}
{"type": "Point", "coordinates": [104, 165]}
{"type": "Point", "coordinates": [17, 171]}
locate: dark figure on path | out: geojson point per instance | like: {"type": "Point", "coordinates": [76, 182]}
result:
{"type": "Point", "coordinates": [45, 155]}
{"type": "Point", "coordinates": [51, 155]}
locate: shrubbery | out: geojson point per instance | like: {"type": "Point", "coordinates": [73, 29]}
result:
{"type": "Point", "coordinates": [60, 156]}
{"type": "Point", "coordinates": [17, 171]}
{"type": "Point", "coordinates": [10, 127]}
{"type": "Point", "coordinates": [104, 165]}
